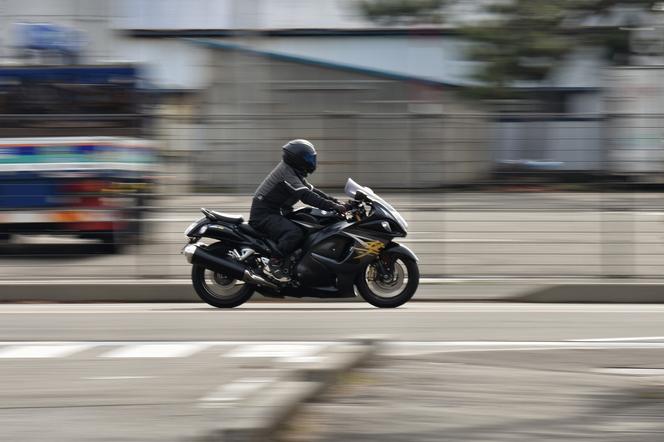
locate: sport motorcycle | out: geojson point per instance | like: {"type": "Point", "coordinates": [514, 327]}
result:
{"type": "Point", "coordinates": [342, 255]}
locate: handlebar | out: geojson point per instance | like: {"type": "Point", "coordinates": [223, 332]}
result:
{"type": "Point", "coordinates": [355, 209]}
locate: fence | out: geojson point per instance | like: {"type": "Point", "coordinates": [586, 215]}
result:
{"type": "Point", "coordinates": [526, 219]}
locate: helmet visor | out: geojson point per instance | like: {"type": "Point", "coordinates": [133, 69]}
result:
{"type": "Point", "coordinates": [310, 160]}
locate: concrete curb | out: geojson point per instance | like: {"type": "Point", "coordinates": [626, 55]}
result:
{"type": "Point", "coordinates": [336, 363]}
{"type": "Point", "coordinates": [617, 293]}
{"type": "Point", "coordinates": [260, 417]}
{"type": "Point", "coordinates": [433, 290]}
{"type": "Point", "coordinates": [174, 290]}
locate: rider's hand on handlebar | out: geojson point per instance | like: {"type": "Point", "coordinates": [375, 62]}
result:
{"type": "Point", "coordinates": [340, 208]}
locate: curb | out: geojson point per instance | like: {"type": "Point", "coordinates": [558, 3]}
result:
{"type": "Point", "coordinates": [259, 418]}
{"type": "Point", "coordinates": [439, 289]}
{"type": "Point", "coordinates": [151, 290]}
{"type": "Point", "coordinates": [624, 293]}
{"type": "Point", "coordinates": [331, 366]}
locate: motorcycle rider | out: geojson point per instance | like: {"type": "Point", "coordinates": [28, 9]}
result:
{"type": "Point", "coordinates": [275, 196]}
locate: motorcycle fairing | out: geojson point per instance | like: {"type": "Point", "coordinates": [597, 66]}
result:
{"type": "Point", "coordinates": [332, 261]}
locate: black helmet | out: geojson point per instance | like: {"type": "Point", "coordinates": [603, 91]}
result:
{"type": "Point", "coordinates": [300, 155]}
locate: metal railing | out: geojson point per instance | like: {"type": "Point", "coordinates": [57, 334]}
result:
{"type": "Point", "coordinates": [484, 196]}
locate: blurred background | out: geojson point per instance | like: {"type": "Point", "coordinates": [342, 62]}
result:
{"type": "Point", "coordinates": [520, 138]}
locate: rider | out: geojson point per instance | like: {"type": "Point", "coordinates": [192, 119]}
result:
{"type": "Point", "coordinates": [275, 196]}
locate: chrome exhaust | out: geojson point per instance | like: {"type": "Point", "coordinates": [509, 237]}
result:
{"type": "Point", "coordinates": [198, 256]}
{"type": "Point", "coordinates": [253, 278]}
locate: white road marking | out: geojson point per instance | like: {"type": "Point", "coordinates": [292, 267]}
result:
{"type": "Point", "coordinates": [304, 351]}
{"type": "Point", "coordinates": [157, 350]}
{"type": "Point", "coordinates": [133, 343]}
{"type": "Point", "coordinates": [42, 351]}
{"type": "Point", "coordinates": [277, 350]}
{"type": "Point", "coordinates": [460, 240]}
{"type": "Point", "coordinates": [302, 359]}
{"type": "Point", "coordinates": [422, 348]}
{"type": "Point", "coordinates": [234, 391]}
{"type": "Point", "coordinates": [636, 338]}
{"type": "Point", "coordinates": [115, 378]}
{"type": "Point", "coordinates": [632, 371]}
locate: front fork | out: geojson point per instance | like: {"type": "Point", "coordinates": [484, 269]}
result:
{"type": "Point", "coordinates": [384, 266]}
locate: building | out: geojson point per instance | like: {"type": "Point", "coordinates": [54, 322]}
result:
{"type": "Point", "coordinates": [226, 69]}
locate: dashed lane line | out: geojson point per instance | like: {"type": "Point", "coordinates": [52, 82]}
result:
{"type": "Point", "coordinates": [634, 338]}
{"type": "Point", "coordinates": [41, 351]}
{"type": "Point", "coordinates": [302, 350]}
{"type": "Point", "coordinates": [629, 371]}
{"type": "Point", "coordinates": [179, 350]}
{"type": "Point", "coordinates": [275, 351]}
{"type": "Point", "coordinates": [286, 350]}
{"type": "Point", "coordinates": [115, 378]}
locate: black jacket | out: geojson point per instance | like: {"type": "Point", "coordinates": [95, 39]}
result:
{"type": "Point", "coordinates": [282, 188]}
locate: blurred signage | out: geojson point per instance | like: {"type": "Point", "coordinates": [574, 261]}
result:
{"type": "Point", "coordinates": [50, 38]}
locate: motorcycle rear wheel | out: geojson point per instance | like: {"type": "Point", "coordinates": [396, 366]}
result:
{"type": "Point", "coordinates": [217, 289]}
{"type": "Point", "coordinates": [394, 292]}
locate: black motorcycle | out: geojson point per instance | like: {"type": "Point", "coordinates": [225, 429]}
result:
{"type": "Point", "coordinates": [341, 253]}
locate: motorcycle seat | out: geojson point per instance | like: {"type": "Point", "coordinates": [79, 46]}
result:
{"type": "Point", "coordinates": [225, 217]}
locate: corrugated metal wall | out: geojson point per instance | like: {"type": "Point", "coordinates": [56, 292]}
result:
{"type": "Point", "coordinates": [385, 132]}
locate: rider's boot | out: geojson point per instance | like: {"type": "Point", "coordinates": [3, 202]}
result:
{"type": "Point", "coordinates": [277, 269]}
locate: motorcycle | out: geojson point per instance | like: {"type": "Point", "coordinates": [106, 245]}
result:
{"type": "Point", "coordinates": [341, 254]}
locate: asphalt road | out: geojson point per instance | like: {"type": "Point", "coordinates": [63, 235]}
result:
{"type": "Point", "coordinates": [291, 320]}
{"type": "Point", "coordinates": [166, 372]}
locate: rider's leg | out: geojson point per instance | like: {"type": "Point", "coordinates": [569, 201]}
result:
{"type": "Point", "coordinates": [288, 237]}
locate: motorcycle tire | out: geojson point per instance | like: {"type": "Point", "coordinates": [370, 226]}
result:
{"type": "Point", "coordinates": [206, 294]}
{"type": "Point", "coordinates": [401, 298]}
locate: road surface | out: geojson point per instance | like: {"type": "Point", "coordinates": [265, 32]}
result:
{"type": "Point", "coordinates": [166, 372]}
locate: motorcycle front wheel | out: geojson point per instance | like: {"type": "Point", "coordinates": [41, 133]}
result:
{"type": "Point", "coordinates": [391, 284]}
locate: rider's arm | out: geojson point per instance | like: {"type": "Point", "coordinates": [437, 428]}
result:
{"type": "Point", "coordinates": [307, 195]}
{"type": "Point", "coordinates": [320, 192]}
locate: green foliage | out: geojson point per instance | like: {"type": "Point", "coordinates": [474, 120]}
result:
{"type": "Point", "coordinates": [525, 39]}
{"type": "Point", "coordinates": [391, 12]}
{"type": "Point", "coordinates": [522, 44]}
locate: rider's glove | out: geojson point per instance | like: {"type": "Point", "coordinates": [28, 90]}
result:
{"type": "Point", "coordinates": [340, 208]}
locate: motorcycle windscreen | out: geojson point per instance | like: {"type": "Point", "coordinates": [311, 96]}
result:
{"type": "Point", "coordinates": [352, 187]}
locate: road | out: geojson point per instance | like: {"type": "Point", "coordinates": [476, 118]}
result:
{"type": "Point", "coordinates": [291, 320]}
{"type": "Point", "coordinates": [148, 372]}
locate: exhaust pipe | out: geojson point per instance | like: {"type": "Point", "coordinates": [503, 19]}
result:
{"type": "Point", "coordinates": [198, 256]}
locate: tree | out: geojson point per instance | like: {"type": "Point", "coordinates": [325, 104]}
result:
{"type": "Point", "coordinates": [403, 12]}
{"type": "Point", "coordinates": [525, 39]}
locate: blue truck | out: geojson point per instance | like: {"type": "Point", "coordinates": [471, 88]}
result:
{"type": "Point", "coordinates": [74, 158]}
